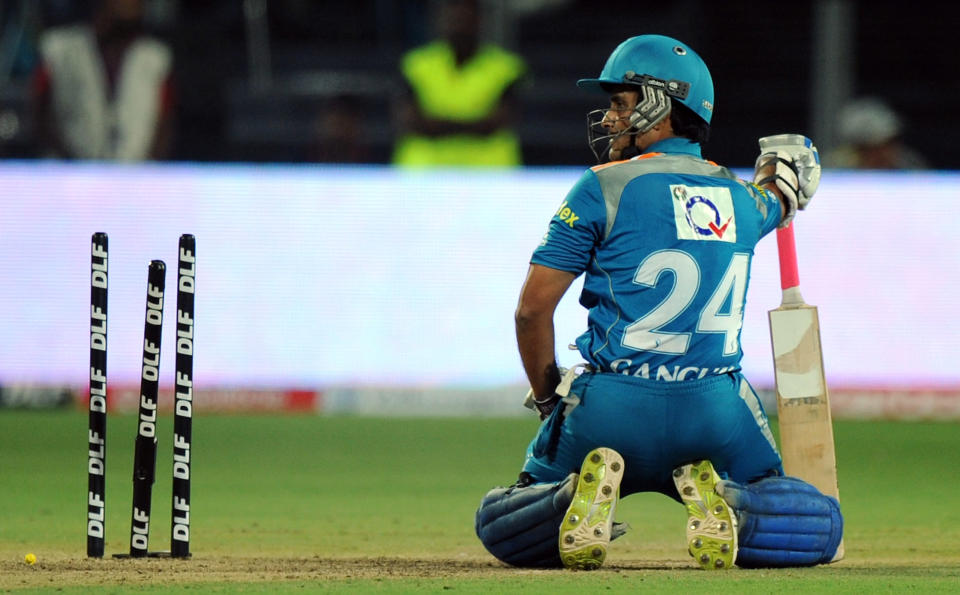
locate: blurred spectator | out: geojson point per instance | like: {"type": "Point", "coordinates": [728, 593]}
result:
{"type": "Point", "coordinates": [18, 22]}
{"type": "Point", "coordinates": [870, 139]}
{"type": "Point", "coordinates": [103, 89]}
{"type": "Point", "coordinates": [337, 134]}
{"type": "Point", "coordinates": [459, 106]}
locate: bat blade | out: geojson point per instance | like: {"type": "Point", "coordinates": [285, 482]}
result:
{"type": "Point", "coordinates": [803, 401]}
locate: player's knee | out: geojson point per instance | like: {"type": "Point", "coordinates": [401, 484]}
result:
{"type": "Point", "coordinates": [783, 521]}
{"type": "Point", "coordinates": [520, 525]}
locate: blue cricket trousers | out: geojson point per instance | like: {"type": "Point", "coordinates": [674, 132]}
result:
{"type": "Point", "coordinates": [656, 427]}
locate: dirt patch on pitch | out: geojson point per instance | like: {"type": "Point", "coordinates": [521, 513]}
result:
{"type": "Point", "coordinates": [66, 572]}
{"type": "Point", "coordinates": [156, 571]}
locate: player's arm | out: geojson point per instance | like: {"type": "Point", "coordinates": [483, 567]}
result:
{"type": "Point", "coordinates": [766, 172]}
{"type": "Point", "coordinates": [564, 253]}
{"type": "Point", "coordinates": [542, 291]}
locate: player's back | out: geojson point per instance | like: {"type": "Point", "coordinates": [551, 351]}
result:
{"type": "Point", "coordinates": [668, 279]}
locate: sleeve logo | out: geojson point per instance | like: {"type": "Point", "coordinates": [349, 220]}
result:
{"type": "Point", "coordinates": [566, 214]}
{"type": "Point", "coordinates": [704, 213]}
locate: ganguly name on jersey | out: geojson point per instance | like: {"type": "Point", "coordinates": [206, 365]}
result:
{"type": "Point", "coordinates": [665, 373]}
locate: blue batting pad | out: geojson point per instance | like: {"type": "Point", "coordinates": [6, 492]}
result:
{"type": "Point", "coordinates": [783, 521]}
{"type": "Point", "coordinates": [521, 525]}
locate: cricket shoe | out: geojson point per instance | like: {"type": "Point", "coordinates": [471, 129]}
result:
{"type": "Point", "coordinates": [588, 523]}
{"type": "Point", "coordinates": [711, 522]}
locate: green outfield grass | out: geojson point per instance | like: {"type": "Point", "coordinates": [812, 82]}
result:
{"type": "Point", "coordinates": [295, 503]}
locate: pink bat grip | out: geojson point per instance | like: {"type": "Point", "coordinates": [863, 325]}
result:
{"type": "Point", "coordinates": [787, 247]}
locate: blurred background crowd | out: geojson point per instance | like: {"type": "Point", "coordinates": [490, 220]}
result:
{"type": "Point", "coordinates": [482, 82]}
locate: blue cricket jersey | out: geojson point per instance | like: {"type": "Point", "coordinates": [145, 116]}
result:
{"type": "Point", "coordinates": [665, 240]}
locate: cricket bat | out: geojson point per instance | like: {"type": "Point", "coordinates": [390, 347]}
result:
{"type": "Point", "coordinates": [803, 402]}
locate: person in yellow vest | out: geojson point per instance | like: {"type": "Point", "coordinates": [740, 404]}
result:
{"type": "Point", "coordinates": [460, 102]}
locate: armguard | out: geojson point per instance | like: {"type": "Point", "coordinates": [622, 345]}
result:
{"type": "Point", "coordinates": [783, 521]}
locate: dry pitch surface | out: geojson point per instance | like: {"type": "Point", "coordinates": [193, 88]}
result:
{"type": "Point", "coordinates": [65, 571]}
{"type": "Point", "coordinates": [55, 573]}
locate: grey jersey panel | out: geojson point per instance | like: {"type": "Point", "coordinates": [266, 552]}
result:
{"type": "Point", "coordinates": [614, 179]}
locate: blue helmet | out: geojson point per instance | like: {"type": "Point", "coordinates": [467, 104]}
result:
{"type": "Point", "coordinates": [663, 62]}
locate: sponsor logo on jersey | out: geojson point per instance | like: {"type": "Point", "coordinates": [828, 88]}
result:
{"type": "Point", "coordinates": [566, 214]}
{"type": "Point", "coordinates": [704, 213]}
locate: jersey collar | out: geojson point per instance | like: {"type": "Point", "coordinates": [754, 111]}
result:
{"type": "Point", "coordinates": [675, 145]}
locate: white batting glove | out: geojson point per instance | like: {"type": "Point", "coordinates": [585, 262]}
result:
{"type": "Point", "coordinates": [801, 151]}
{"type": "Point", "coordinates": [805, 158]}
{"type": "Point", "coordinates": [784, 176]}
{"type": "Point", "coordinates": [796, 174]}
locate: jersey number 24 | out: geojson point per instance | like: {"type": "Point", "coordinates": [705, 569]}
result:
{"type": "Point", "coordinates": [645, 334]}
